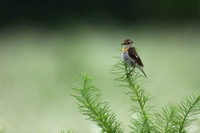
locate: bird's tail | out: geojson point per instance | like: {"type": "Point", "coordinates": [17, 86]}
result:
{"type": "Point", "coordinates": [143, 72]}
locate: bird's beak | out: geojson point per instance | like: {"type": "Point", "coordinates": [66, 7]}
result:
{"type": "Point", "coordinates": [122, 44]}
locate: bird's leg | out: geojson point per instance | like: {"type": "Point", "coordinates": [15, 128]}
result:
{"type": "Point", "coordinates": [130, 72]}
{"type": "Point", "coordinates": [133, 64]}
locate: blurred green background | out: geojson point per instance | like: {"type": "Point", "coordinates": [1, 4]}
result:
{"type": "Point", "coordinates": [44, 45]}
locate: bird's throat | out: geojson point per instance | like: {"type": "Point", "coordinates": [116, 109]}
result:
{"type": "Point", "coordinates": [124, 50]}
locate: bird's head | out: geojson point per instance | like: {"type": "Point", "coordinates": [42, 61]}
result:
{"type": "Point", "coordinates": [128, 43]}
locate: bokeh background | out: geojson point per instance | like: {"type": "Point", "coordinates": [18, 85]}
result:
{"type": "Point", "coordinates": [45, 44]}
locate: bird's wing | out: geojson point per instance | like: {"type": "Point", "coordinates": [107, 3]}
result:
{"type": "Point", "coordinates": [133, 54]}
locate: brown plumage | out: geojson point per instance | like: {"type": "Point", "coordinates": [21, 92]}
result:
{"type": "Point", "coordinates": [126, 41]}
{"type": "Point", "coordinates": [133, 54]}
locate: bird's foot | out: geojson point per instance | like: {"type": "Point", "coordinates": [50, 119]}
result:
{"type": "Point", "coordinates": [128, 74]}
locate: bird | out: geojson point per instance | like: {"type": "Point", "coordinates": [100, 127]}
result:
{"type": "Point", "coordinates": [130, 56]}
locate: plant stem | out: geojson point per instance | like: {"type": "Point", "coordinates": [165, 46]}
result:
{"type": "Point", "coordinates": [186, 115]}
{"type": "Point", "coordinates": [135, 89]}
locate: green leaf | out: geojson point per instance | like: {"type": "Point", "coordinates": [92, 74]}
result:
{"type": "Point", "coordinates": [90, 105]}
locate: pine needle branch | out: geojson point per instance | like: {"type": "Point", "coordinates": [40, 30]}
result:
{"type": "Point", "coordinates": [177, 118]}
{"type": "Point", "coordinates": [142, 123]}
{"type": "Point", "coordinates": [167, 121]}
{"type": "Point", "coordinates": [188, 108]}
{"type": "Point", "coordinates": [89, 104]}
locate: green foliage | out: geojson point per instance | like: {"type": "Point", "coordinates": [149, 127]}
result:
{"type": "Point", "coordinates": [142, 123]}
{"type": "Point", "coordinates": [187, 109]}
{"type": "Point", "coordinates": [167, 120]}
{"type": "Point", "coordinates": [177, 118]}
{"type": "Point", "coordinates": [89, 104]}
{"type": "Point", "coordinates": [173, 118]}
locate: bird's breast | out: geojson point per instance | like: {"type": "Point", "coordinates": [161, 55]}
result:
{"type": "Point", "coordinates": [125, 56]}
{"type": "Point", "coordinates": [127, 59]}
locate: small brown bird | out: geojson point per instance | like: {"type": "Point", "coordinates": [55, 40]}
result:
{"type": "Point", "coordinates": [130, 56]}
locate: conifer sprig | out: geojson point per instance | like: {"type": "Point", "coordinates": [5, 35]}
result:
{"type": "Point", "coordinates": [187, 109]}
{"type": "Point", "coordinates": [177, 118]}
{"type": "Point", "coordinates": [89, 104]}
{"type": "Point", "coordinates": [167, 120]}
{"type": "Point", "coordinates": [142, 122]}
